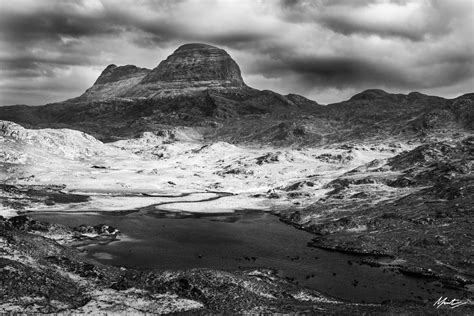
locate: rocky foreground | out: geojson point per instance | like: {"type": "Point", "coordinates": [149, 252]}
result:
{"type": "Point", "coordinates": [407, 206]}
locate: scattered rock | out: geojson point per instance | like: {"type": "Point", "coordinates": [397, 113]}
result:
{"type": "Point", "coordinates": [268, 158]}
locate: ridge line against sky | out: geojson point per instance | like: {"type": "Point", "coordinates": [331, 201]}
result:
{"type": "Point", "coordinates": [326, 50]}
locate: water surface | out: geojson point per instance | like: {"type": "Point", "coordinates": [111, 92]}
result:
{"type": "Point", "coordinates": [238, 241]}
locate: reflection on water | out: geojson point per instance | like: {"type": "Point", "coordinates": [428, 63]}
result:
{"type": "Point", "coordinates": [103, 256]}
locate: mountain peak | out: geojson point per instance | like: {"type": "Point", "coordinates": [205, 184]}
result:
{"type": "Point", "coordinates": [196, 65]}
{"type": "Point", "coordinates": [195, 46]}
{"type": "Point", "coordinates": [112, 73]}
{"type": "Point", "coordinates": [370, 94]}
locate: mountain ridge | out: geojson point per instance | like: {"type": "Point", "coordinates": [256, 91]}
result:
{"type": "Point", "coordinates": [201, 85]}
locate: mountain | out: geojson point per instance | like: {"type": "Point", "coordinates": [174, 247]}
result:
{"type": "Point", "coordinates": [201, 86]}
{"type": "Point", "coordinates": [191, 68]}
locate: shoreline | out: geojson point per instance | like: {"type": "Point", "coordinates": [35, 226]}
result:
{"type": "Point", "coordinates": [357, 257]}
{"type": "Point", "coordinates": [371, 259]}
{"type": "Point", "coordinates": [53, 192]}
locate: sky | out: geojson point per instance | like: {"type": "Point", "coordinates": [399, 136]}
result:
{"type": "Point", "coordinates": [326, 50]}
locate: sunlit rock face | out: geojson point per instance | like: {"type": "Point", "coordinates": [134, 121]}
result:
{"type": "Point", "coordinates": [112, 82]}
{"type": "Point", "coordinates": [113, 73]}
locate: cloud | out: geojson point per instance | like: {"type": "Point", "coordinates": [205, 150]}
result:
{"type": "Point", "coordinates": [41, 89]}
{"type": "Point", "coordinates": [324, 49]}
{"type": "Point", "coordinates": [407, 19]}
{"type": "Point", "coordinates": [333, 71]}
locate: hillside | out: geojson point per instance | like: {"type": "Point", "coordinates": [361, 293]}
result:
{"type": "Point", "coordinates": [253, 116]}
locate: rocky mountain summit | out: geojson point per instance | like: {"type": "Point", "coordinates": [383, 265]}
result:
{"type": "Point", "coordinates": [199, 64]}
{"type": "Point", "coordinates": [191, 68]}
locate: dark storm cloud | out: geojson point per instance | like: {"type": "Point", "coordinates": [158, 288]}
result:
{"type": "Point", "coordinates": [50, 23]}
{"type": "Point", "coordinates": [330, 71]}
{"type": "Point", "coordinates": [302, 46]}
{"type": "Point", "coordinates": [162, 30]}
{"type": "Point", "coordinates": [339, 24]}
{"type": "Point", "coordinates": [164, 35]}
{"type": "Point", "coordinates": [52, 27]}
{"type": "Point", "coordinates": [29, 61]}
{"type": "Point", "coordinates": [345, 70]}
